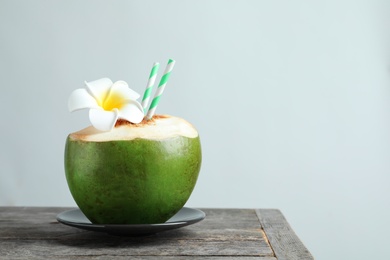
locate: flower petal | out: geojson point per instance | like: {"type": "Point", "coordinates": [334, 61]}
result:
{"type": "Point", "coordinates": [122, 89]}
{"type": "Point", "coordinates": [132, 112]}
{"type": "Point", "coordinates": [103, 120]}
{"type": "Point", "coordinates": [80, 99]}
{"type": "Point", "coordinates": [99, 89]}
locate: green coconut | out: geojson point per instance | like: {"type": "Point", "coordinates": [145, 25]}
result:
{"type": "Point", "coordinates": [136, 173]}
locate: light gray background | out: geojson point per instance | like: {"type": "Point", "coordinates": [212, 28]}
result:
{"type": "Point", "coordinates": [291, 99]}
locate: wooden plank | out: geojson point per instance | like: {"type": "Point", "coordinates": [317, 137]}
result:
{"type": "Point", "coordinates": [105, 257]}
{"type": "Point", "coordinates": [126, 247]}
{"type": "Point", "coordinates": [283, 240]}
{"type": "Point", "coordinates": [33, 233]}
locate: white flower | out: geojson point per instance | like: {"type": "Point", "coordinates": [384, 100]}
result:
{"type": "Point", "coordinates": [107, 102]}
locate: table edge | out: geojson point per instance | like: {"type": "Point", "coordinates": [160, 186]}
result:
{"type": "Point", "coordinates": [281, 237]}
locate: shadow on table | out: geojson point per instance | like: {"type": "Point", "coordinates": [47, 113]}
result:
{"type": "Point", "coordinates": [90, 239]}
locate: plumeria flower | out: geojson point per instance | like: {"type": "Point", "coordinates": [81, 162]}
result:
{"type": "Point", "coordinates": [107, 102]}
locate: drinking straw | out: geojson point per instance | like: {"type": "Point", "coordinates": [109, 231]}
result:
{"type": "Point", "coordinates": [149, 86]}
{"type": "Point", "coordinates": [160, 89]}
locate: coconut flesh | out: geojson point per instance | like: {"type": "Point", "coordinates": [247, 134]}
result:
{"type": "Point", "coordinates": [160, 127]}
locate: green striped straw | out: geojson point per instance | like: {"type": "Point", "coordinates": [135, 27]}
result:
{"type": "Point", "coordinates": [160, 89]}
{"type": "Point", "coordinates": [149, 86]}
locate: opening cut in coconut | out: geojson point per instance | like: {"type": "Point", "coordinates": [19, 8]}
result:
{"type": "Point", "coordinates": [160, 127]}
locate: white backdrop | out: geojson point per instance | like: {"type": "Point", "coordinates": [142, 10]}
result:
{"type": "Point", "coordinates": [291, 99]}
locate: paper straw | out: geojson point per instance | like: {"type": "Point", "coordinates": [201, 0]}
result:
{"type": "Point", "coordinates": [149, 86]}
{"type": "Point", "coordinates": [160, 89]}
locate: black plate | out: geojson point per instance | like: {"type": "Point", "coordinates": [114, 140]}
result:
{"type": "Point", "coordinates": [185, 217]}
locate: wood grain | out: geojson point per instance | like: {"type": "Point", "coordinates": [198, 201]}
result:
{"type": "Point", "coordinates": [283, 240]}
{"type": "Point", "coordinates": [34, 233]}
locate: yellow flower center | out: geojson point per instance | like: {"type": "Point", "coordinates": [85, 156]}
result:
{"type": "Point", "coordinates": [114, 100]}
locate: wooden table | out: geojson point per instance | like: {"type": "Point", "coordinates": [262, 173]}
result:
{"type": "Point", "coordinates": [34, 233]}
